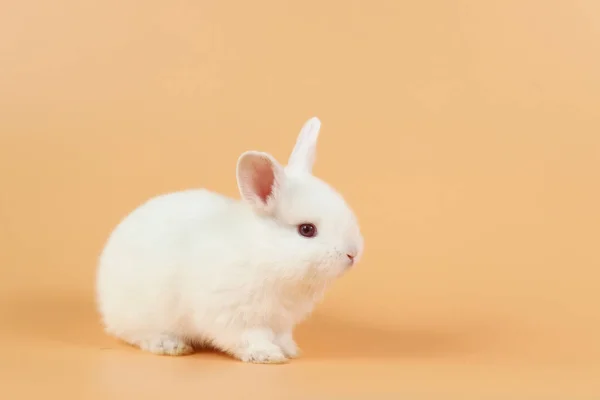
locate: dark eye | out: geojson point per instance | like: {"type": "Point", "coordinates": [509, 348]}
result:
{"type": "Point", "coordinates": [307, 230]}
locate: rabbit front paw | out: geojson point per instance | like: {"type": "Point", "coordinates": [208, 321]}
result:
{"type": "Point", "coordinates": [287, 345]}
{"type": "Point", "coordinates": [262, 353]}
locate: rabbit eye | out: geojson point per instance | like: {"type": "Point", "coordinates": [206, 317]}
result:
{"type": "Point", "coordinates": [307, 230]}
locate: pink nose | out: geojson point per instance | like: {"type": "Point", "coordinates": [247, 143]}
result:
{"type": "Point", "coordinates": [351, 257]}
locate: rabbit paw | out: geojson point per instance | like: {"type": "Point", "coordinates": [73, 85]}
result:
{"type": "Point", "coordinates": [287, 345]}
{"type": "Point", "coordinates": [166, 345]}
{"type": "Point", "coordinates": [262, 353]}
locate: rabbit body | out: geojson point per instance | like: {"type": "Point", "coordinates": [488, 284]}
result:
{"type": "Point", "coordinates": [198, 268]}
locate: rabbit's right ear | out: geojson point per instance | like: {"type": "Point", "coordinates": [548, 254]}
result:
{"type": "Point", "coordinates": [303, 155]}
{"type": "Point", "coordinates": [259, 179]}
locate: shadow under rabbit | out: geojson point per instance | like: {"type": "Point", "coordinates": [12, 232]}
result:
{"type": "Point", "coordinates": [72, 319]}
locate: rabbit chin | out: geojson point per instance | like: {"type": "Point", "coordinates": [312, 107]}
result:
{"type": "Point", "coordinates": [312, 280]}
{"type": "Point", "coordinates": [331, 271]}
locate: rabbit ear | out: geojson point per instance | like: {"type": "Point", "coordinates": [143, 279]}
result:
{"type": "Point", "coordinates": [303, 155]}
{"type": "Point", "coordinates": [259, 178]}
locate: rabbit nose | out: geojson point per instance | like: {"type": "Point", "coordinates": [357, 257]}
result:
{"type": "Point", "coordinates": [351, 257]}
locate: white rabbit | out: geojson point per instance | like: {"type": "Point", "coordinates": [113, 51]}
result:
{"type": "Point", "coordinates": [195, 267]}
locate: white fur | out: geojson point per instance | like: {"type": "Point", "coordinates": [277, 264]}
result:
{"type": "Point", "coordinates": [196, 267]}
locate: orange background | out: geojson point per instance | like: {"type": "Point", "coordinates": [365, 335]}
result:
{"type": "Point", "coordinates": [465, 134]}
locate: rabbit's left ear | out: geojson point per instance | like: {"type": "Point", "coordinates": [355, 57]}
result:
{"type": "Point", "coordinates": [302, 158]}
{"type": "Point", "coordinates": [259, 178]}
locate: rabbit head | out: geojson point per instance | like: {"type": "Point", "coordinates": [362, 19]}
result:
{"type": "Point", "coordinates": [313, 230]}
